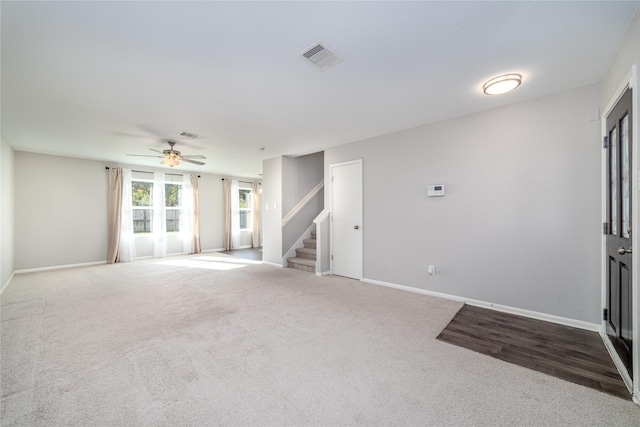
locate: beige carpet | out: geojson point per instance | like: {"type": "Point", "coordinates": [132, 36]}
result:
{"type": "Point", "coordinates": [209, 340]}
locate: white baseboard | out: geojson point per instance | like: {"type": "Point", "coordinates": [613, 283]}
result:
{"type": "Point", "coordinates": [324, 273]}
{"type": "Point", "coordinates": [58, 267]}
{"type": "Point", "coordinates": [580, 324]}
{"type": "Point", "coordinates": [273, 264]}
{"type": "Point", "coordinates": [224, 250]}
{"type": "Point", "coordinates": [4, 286]}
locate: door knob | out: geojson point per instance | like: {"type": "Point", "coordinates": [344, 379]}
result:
{"type": "Point", "coordinates": [623, 251]}
{"type": "Point", "coordinates": [355, 227]}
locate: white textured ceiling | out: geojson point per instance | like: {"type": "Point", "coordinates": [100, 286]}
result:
{"type": "Point", "coordinates": [102, 79]}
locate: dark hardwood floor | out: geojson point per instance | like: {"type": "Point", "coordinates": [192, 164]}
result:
{"type": "Point", "coordinates": [253, 254]}
{"type": "Point", "coordinates": [568, 353]}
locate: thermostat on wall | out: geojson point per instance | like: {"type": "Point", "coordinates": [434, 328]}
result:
{"type": "Point", "coordinates": [435, 190]}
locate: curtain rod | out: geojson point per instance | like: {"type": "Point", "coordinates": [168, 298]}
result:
{"type": "Point", "coordinates": [133, 170]}
{"type": "Point", "coordinates": [246, 182]}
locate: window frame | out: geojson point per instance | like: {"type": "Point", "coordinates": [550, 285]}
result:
{"type": "Point", "coordinates": [248, 211]}
{"type": "Point", "coordinates": [173, 208]}
{"type": "Point", "coordinates": [151, 209]}
{"type": "Point", "coordinates": [148, 208]}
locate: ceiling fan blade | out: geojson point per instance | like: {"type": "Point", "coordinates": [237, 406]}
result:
{"type": "Point", "coordinates": [194, 156]}
{"type": "Point", "coordinates": [157, 151]}
{"type": "Point", "coordinates": [192, 161]}
{"type": "Point", "coordinates": [144, 155]}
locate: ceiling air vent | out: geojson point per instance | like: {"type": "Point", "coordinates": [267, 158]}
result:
{"type": "Point", "coordinates": [320, 56]}
{"type": "Point", "coordinates": [188, 135]}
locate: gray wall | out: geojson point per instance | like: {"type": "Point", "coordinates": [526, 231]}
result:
{"type": "Point", "coordinates": [520, 222]}
{"type": "Point", "coordinates": [272, 210]}
{"type": "Point", "coordinates": [210, 189]}
{"type": "Point", "coordinates": [7, 218]}
{"type": "Point", "coordinates": [61, 212]}
{"type": "Point", "coordinates": [287, 180]}
{"type": "Point", "coordinates": [628, 54]}
{"type": "Point", "coordinates": [324, 256]}
{"type": "Point", "coordinates": [300, 175]}
{"type": "Point", "coordinates": [301, 222]}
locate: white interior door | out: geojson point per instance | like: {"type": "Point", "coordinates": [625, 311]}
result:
{"type": "Point", "coordinates": [346, 219]}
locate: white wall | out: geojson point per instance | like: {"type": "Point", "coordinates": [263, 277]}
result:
{"type": "Point", "coordinates": [61, 212]}
{"type": "Point", "coordinates": [7, 218]}
{"type": "Point", "coordinates": [520, 223]}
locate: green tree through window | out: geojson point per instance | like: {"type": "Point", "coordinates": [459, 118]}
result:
{"type": "Point", "coordinates": [142, 203]}
{"type": "Point", "coordinates": [172, 195]}
{"type": "Point", "coordinates": [244, 196]}
{"type": "Point", "coordinates": [141, 193]}
{"type": "Point", "coordinates": [172, 202]}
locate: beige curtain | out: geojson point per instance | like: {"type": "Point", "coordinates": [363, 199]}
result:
{"type": "Point", "coordinates": [256, 190]}
{"type": "Point", "coordinates": [227, 215]}
{"type": "Point", "coordinates": [196, 215]}
{"type": "Point", "coordinates": [114, 215]}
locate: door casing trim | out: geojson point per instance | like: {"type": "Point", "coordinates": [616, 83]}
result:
{"type": "Point", "coordinates": [630, 81]}
{"type": "Point", "coordinates": [331, 166]}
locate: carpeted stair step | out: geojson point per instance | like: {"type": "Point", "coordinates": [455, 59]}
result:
{"type": "Point", "coordinates": [309, 243]}
{"type": "Point", "coordinates": [303, 264]}
{"type": "Point", "coordinates": [308, 253]}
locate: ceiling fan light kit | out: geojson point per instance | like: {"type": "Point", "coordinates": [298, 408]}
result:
{"type": "Point", "coordinates": [171, 161]}
{"type": "Point", "coordinates": [173, 157]}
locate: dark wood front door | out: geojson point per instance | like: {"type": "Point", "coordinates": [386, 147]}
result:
{"type": "Point", "coordinates": [619, 312]}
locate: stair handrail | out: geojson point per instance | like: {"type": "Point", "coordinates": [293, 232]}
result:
{"type": "Point", "coordinates": [302, 203]}
{"type": "Point", "coordinates": [322, 216]}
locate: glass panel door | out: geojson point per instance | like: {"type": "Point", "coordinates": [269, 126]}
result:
{"type": "Point", "coordinates": [613, 181]}
{"type": "Point", "coordinates": [626, 181]}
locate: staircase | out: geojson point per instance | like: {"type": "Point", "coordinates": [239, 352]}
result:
{"type": "Point", "coordinates": [305, 258]}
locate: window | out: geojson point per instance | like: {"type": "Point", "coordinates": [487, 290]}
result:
{"type": "Point", "coordinates": [141, 193]}
{"type": "Point", "coordinates": [142, 205]}
{"type": "Point", "coordinates": [245, 199]}
{"type": "Point", "coordinates": [172, 202]}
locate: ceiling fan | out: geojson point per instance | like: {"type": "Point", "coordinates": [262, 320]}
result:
{"type": "Point", "coordinates": [173, 157]}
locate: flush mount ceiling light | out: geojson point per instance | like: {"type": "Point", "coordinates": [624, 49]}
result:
{"type": "Point", "coordinates": [502, 84]}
